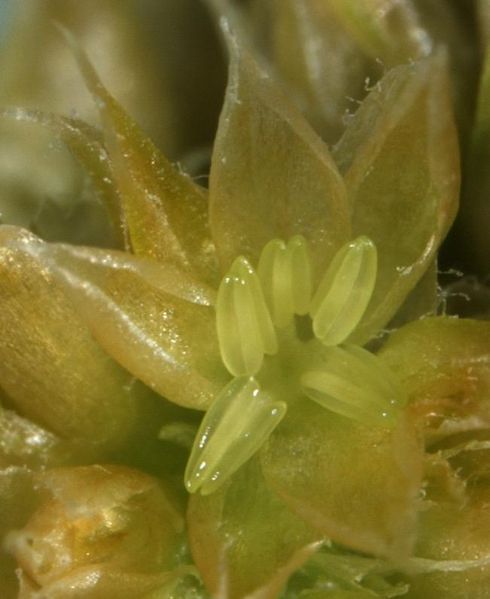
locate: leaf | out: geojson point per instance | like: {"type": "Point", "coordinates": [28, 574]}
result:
{"type": "Point", "coordinates": [405, 210]}
{"type": "Point", "coordinates": [166, 213]}
{"type": "Point", "coordinates": [354, 483]}
{"type": "Point", "coordinates": [444, 364]}
{"type": "Point", "coordinates": [244, 540]}
{"type": "Point", "coordinates": [271, 176]}
{"type": "Point", "coordinates": [154, 319]}
{"type": "Point", "coordinates": [50, 366]}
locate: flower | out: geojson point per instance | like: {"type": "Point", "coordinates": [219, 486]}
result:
{"type": "Point", "coordinates": [255, 316]}
{"type": "Point", "coordinates": [275, 193]}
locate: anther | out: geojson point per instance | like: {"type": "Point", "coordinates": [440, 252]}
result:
{"type": "Point", "coordinates": [238, 423]}
{"type": "Point", "coordinates": [285, 273]}
{"type": "Point", "coordinates": [344, 292]}
{"type": "Point", "coordinates": [244, 326]}
{"type": "Point", "coordinates": [356, 383]}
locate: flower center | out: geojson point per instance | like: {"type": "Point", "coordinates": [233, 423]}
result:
{"type": "Point", "coordinates": [283, 341]}
{"type": "Point", "coordinates": [251, 306]}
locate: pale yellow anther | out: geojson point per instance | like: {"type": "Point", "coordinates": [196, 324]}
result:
{"type": "Point", "coordinates": [344, 292]}
{"type": "Point", "coordinates": [355, 383]}
{"type": "Point", "coordinates": [233, 429]}
{"type": "Point", "coordinates": [285, 274]}
{"type": "Point", "coordinates": [244, 326]}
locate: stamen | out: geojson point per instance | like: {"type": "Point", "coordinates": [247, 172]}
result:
{"type": "Point", "coordinates": [245, 330]}
{"type": "Point", "coordinates": [285, 274]}
{"type": "Point", "coordinates": [234, 428]}
{"type": "Point", "coordinates": [355, 383]}
{"type": "Point", "coordinates": [344, 293]}
{"type": "Point", "coordinates": [375, 373]}
{"type": "Point", "coordinates": [351, 382]}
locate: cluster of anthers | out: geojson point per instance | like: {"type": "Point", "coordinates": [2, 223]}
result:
{"type": "Point", "coordinates": [284, 342]}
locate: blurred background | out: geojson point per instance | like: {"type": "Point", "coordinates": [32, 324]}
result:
{"type": "Point", "coordinates": [161, 60]}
